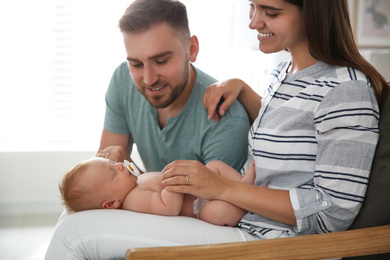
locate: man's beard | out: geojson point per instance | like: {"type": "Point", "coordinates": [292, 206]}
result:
{"type": "Point", "coordinates": [176, 91]}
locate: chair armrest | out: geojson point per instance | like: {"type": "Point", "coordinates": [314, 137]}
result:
{"type": "Point", "coordinates": [366, 241]}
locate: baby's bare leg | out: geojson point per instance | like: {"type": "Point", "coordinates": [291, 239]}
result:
{"type": "Point", "coordinates": [228, 172]}
{"type": "Point", "coordinates": [219, 212]}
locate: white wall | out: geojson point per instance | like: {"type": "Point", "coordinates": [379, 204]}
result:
{"type": "Point", "coordinates": [29, 180]}
{"type": "Point", "coordinates": [380, 59]}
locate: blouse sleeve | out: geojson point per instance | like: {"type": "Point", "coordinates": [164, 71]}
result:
{"type": "Point", "coordinates": [346, 124]}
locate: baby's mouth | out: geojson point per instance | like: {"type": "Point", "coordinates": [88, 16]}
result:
{"type": "Point", "coordinates": [132, 168]}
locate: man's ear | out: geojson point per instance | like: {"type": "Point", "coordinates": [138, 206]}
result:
{"type": "Point", "coordinates": [113, 204]}
{"type": "Point", "coordinates": [193, 46]}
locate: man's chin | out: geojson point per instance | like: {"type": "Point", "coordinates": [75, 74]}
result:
{"type": "Point", "coordinates": [158, 103]}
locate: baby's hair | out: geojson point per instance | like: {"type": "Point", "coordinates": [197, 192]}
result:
{"type": "Point", "coordinates": [74, 196]}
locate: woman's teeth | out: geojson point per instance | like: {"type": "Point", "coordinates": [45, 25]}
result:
{"type": "Point", "coordinates": [266, 34]}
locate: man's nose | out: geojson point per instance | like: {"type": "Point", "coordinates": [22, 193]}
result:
{"type": "Point", "coordinates": [150, 75]}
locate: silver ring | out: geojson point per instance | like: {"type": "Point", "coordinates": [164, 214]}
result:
{"type": "Point", "coordinates": [187, 180]}
{"type": "Point", "coordinates": [107, 155]}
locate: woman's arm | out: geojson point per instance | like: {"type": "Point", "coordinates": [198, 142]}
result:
{"type": "Point", "coordinates": [229, 91]}
{"type": "Point", "coordinates": [204, 183]}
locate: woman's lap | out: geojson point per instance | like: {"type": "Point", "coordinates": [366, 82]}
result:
{"type": "Point", "coordinates": [107, 234]}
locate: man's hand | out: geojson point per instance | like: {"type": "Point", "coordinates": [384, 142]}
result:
{"type": "Point", "coordinates": [114, 153]}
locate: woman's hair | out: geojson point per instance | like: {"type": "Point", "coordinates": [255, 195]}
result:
{"type": "Point", "coordinates": [331, 40]}
{"type": "Point", "coordinates": [76, 197]}
{"type": "Point", "coordinates": [141, 15]}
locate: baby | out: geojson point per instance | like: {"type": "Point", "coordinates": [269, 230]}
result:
{"type": "Point", "coordinates": [103, 184]}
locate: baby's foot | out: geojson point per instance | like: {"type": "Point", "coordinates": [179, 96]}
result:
{"type": "Point", "coordinates": [250, 174]}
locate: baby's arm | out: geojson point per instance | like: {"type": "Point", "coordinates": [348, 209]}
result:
{"type": "Point", "coordinates": [168, 203]}
{"type": "Point", "coordinates": [150, 196]}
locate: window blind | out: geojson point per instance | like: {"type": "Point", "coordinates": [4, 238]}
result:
{"type": "Point", "coordinates": [57, 57]}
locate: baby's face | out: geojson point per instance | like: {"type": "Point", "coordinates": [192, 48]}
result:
{"type": "Point", "coordinates": [111, 179]}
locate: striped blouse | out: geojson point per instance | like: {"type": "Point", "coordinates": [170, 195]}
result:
{"type": "Point", "coordinates": [315, 136]}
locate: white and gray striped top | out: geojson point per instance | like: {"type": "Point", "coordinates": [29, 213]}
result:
{"type": "Point", "coordinates": [315, 136]}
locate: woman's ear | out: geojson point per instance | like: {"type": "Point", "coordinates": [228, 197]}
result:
{"type": "Point", "coordinates": [113, 204]}
{"type": "Point", "coordinates": [193, 46]}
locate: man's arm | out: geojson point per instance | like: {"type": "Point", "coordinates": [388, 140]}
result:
{"type": "Point", "coordinates": [116, 147]}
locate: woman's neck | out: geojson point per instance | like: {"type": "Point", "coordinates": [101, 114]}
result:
{"type": "Point", "coordinates": [301, 59]}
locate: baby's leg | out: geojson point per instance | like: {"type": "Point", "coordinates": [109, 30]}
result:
{"type": "Point", "coordinates": [228, 172]}
{"type": "Point", "coordinates": [221, 213]}
{"type": "Point", "coordinates": [224, 170]}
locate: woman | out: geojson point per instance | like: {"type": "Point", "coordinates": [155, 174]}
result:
{"type": "Point", "coordinates": [313, 141]}
{"type": "Point", "coordinates": [314, 137]}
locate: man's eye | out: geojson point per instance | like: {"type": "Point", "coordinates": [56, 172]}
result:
{"type": "Point", "coordinates": [161, 61]}
{"type": "Point", "coordinates": [135, 64]}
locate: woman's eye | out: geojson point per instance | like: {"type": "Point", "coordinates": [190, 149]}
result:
{"type": "Point", "coordinates": [271, 15]}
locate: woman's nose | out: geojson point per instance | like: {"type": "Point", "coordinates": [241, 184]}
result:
{"type": "Point", "coordinates": [257, 21]}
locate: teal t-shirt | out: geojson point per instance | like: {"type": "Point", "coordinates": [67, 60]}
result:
{"type": "Point", "coordinates": [188, 136]}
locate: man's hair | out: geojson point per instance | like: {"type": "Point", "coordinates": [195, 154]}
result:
{"type": "Point", "coordinates": [76, 197]}
{"type": "Point", "coordinates": [141, 15]}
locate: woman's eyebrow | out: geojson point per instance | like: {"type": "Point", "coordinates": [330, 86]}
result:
{"type": "Point", "coordinates": [270, 8]}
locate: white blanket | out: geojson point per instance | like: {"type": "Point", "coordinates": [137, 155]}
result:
{"type": "Point", "coordinates": [107, 234]}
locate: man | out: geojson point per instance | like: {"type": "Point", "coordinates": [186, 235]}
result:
{"type": "Point", "coordinates": [158, 104]}
{"type": "Point", "coordinates": [155, 101]}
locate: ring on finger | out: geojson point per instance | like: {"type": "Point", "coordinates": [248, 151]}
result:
{"type": "Point", "coordinates": [187, 180]}
{"type": "Point", "coordinates": [107, 155]}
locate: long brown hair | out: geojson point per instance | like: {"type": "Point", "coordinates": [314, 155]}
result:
{"type": "Point", "coordinates": [331, 39]}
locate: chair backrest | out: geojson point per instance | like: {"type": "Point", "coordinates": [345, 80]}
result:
{"type": "Point", "coordinates": [376, 207]}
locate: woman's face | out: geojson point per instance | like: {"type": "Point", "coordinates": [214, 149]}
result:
{"type": "Point", "coordinates": [279, 25]}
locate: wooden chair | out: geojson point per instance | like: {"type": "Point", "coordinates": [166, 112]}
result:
{"type": "Point", "coordinates": [368, 238]}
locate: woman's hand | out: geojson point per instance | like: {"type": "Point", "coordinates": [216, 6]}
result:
{"type": "Point", "coordinates": [206, 184]}
{"type": "Point", "coordinates": [220, 96]}
{"type": "Point", "coordinates": [202, 182]}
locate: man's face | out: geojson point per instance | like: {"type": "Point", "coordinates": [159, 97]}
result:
{"type": "Point", "coordinates": [158, 63]}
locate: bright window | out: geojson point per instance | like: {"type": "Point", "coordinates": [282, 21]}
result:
{"type": "Point", "coordinates": [57, 57]}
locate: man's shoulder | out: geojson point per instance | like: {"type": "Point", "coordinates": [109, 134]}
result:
{"type": "Point", "coordinates": [121, 81]}
{"type": "Point", "coordinates": [203, 80]}
{"type": "Point", "coordinates": [122, 73]}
